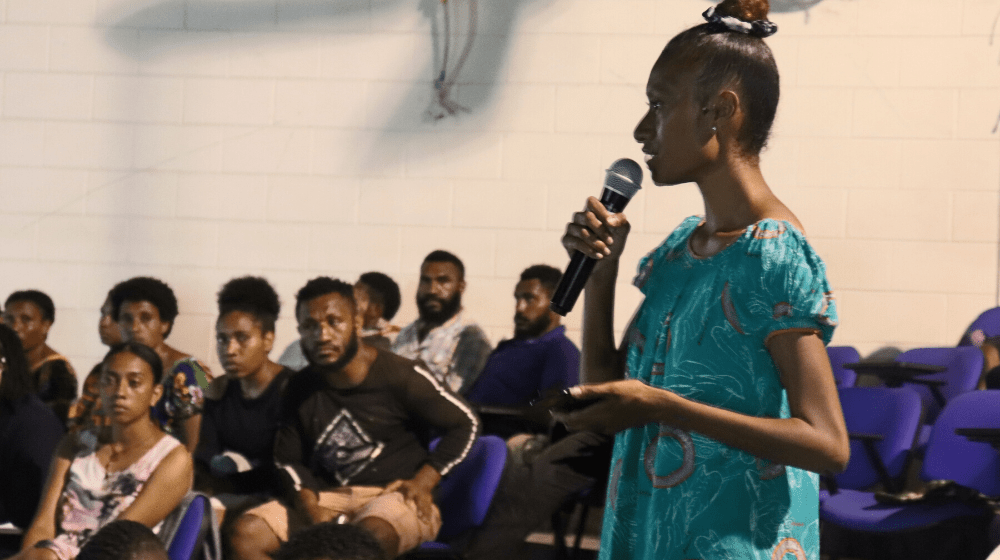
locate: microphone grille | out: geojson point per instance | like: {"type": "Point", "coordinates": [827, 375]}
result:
{"type": "Point", "coordinates": [624, 176]}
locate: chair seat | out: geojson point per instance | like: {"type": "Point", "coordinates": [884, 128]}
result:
{"type": "Point", "coordinates": [853, 509]}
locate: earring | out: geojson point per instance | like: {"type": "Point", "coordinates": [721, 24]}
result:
{"type": "Point", "coordinates": [714, 130]}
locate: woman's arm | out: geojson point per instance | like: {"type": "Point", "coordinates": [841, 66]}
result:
{"type": "Point", "coordinates": [44, 525]}
{"type": "Point", "coordinates": [814, 438]}
{"type": "Point", "coordinates": [164, 490]}
{"type": "Point", "coordinates": [190, 429]}
{"type": "Point", "coordinates": [599, 235]}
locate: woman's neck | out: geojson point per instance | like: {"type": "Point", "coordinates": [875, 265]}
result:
{"type": "Point", "coordinates": [37, 355]}
{"type": "Point", "coordinates": [254, 385]}
{"type": "Point", "coordinates": [134, 433]}
{"type": "Point", "coordinates": [736, 196]}
{"type": "Point", "coordinates": [169, 355]}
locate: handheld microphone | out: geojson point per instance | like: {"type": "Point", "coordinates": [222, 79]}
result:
{"type": "Point", "coordinates": [622, 181]}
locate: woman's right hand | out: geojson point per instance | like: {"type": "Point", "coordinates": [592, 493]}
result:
{"type": "Point", "coordinates": [597, 233]}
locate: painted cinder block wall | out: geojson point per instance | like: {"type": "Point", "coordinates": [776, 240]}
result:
{"type": "Point", "coordinates": [197, 140]}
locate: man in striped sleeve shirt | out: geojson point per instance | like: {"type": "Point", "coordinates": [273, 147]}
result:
{"type": "Point", "coordinates": [353, 434]}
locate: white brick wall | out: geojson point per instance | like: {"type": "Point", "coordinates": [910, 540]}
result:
{"type": "Point", "coordinates": [201, 140]}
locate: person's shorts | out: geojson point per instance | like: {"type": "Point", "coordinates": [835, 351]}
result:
{"type": "Point", "coordinates": [358, 503]}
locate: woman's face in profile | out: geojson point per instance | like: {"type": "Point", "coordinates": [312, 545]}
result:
{"type": "Point", "coordinates": [675, 130]}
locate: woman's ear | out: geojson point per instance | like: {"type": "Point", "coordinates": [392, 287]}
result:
{"type": "Point", "coordinates": [157, 393]}
{"type": "Point", "coordinates": [268, 341]}
{"type": "Point", "coordinates": [726, 107]}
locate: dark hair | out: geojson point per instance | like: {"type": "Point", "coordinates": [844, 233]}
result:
{"type": "Point", "coordinates": [16, 380]}
{"type": "Point", "coordinates": [253, 295]}
{"type": "Point", "coordinates": [330, 540]}
{"type": "Point", "coordinates": [724, 58]}
{"type": "Point", "coordinates": [384, 291]}
{"type": "Point", "coordinates": [320, 286]}
{"type": "Point", "coordinates": [145, 353]}
{"type": "Point", "coordinates": [41, 300]}
{"type": "Point", "coordinates": [120, 540]}
{"type": "Point", "coordinates": [144, 288]}
{"type": "Point", "coordinates": [444, 256]}
{"type": "Point", "coordinates": [547, 275]}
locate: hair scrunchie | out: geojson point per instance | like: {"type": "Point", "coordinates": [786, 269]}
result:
{"type": "Point", "coordinates": [757, 28]}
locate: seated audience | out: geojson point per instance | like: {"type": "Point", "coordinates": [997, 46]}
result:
{"type": "Point", "coordinates": [123, 540]}
{"type": "Point", "coordinates": [539, 359]}
{"type": "Point", "coordinates": [234, 460]}
{"type": "Point", "coordinates": [352, 438]}
{"type": "Point", "coordinates": [453, 347]}
{"type": "Point", "coordinates": [86, 417]}
{"type": "Point", "coordinates": [145, 309]}
{"type": "Point", "coordinates": [987, 339]}
{"type": "Point", "coordinates": [330, 541]}
{"type": "Point", "coordinates": [31, 314]}
{"type": "Point", "coordinates": [378, 298]}
{"type": "Point", "coordinates": [29, 433]}
{"type": "Point", "coordinates": [142, 475]}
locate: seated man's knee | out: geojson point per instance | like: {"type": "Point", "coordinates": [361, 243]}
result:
{"type": "Point", "coordinates": [251, 537]}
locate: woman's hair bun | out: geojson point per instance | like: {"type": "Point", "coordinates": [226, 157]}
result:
{"type": "Point", "coordinates": [746, 10]}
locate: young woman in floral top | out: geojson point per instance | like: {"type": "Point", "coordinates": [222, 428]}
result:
{"type": "Point", "coordinates": [141, 475]}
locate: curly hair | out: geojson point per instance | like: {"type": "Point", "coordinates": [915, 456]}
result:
{"type": "Point", "coordinates": [547, 276]}
{"type": "Point", "coordinates": [145, 288]}
{"type": "Point", "coordinates": [330, 540]}
{"type": "Point", "coordinates": [444, 256]}
{"type": "Point", "coordinates": [321, 286]}
{"type": "Point", "coordinates": [384, 291]}
{"type": "Point", "coordinates": [253, 295]}
{"type": "Point", "coordinates": [121, 540]}
{"type": "Point", "coordinates": [41, 300]}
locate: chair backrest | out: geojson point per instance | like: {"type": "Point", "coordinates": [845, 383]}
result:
{"type": "Point", "coordinates": [894, 414]}
{"type": "Point", "coordinates": [954, 457]}
{"type": "Point", "coordinates": [987, 325]}
{"type": "Point", "coordinates": [840, 355]}
{"type": "Point", "coordinates": [185, 531]}
{"type": "Point", "coordinates": [965, 366]}
{"type": "Point", "coordinates": [464, 495]}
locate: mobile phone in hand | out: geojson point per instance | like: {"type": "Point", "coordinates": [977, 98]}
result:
{"type": "Point", "coordinates": [564, 402]}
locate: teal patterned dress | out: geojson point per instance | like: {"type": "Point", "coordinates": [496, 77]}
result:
{"type": "Point", "coordinates": [701, 333]}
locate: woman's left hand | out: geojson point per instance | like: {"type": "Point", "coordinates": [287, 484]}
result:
{"type": "Point", "coordinates": [621, 405]}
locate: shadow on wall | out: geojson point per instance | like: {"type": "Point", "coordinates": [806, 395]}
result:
{"type": "Point", "coordinates": [470, 40]}
{"type": "Point", "coordinates": [779, 6]}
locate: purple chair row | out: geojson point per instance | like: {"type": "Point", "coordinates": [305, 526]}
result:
{"type": "Point", "coordinates": [885, 425]}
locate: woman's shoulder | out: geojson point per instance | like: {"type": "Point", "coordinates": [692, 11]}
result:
{"type": "Point", "coordinates": [777, 242]}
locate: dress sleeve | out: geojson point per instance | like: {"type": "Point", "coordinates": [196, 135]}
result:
{"type": "Point", "coordinates": [792, 292]}
{"type": "Point", "coordinates": [186, 384]}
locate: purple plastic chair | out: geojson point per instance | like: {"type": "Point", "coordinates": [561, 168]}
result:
{"type": "Point", "coordinates": [883, 425]}
{"type": "Point", "coordinates": [840, 355]}
{"type": "Point", "coordinates": [949, 457]}
{"type": "Point", "coordinates": [187, 539]}
{"type": "Point", "coordinates": [464, 496]}
{"type": "Point", "coordinates": [987, 325]}
{"type": "Point", "coordinates": [965, 366]}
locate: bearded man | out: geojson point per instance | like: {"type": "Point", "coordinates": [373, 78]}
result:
{"type": "Point", "coordinates": [453, 347]}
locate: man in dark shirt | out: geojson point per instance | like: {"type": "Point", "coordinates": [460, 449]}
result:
{"type": "Point", "coordinates": [352, 436]}
{"type": "Point", "coordinates": [539, 359]}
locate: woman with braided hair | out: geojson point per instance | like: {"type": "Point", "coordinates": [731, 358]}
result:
{"type": "Point", "coordinates": [721, 395]}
